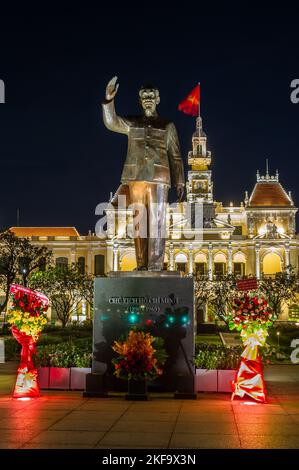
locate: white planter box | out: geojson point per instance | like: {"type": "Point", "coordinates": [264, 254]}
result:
{"type": "Point", "coordinates": [225, 378]}
{"type": "Point", "coordinates": [78, 377]}
{"type": "Point", "coordinates": [43, 375]}
{"type": "Point", "coordinates": [60, 378]}
{"type": "Point", "coordinates": [206, 380]}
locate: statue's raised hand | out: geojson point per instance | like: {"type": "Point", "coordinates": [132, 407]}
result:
{"type": "Point", "coordinates": [111, 89]}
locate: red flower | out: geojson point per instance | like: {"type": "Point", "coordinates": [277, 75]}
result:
{"type": "Point", "coordinates": [18, 295]}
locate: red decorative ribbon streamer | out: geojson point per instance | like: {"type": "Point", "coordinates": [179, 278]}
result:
{"type": "Point", "coordinates": [26, 383]}
{"type": "Point", "coordinates": [249, 378]}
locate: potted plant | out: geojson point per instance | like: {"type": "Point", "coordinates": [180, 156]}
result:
{"type": "Point", "coordinates": [206, 362]}
{"type": "Point", "coordinates": [60, 372]}
{"type": "Point", "coordinates": [228, 361]}
{"type": "Point", "coordinates": [43, 367]}
{"type": "Point", "coordinates": [64, 365]}
{"type": "Point", "coordinates": [137, 362]}
{"type": "Point", "coordinates": [82, 367]}
{"type": "Point", "coordinates": [215, 367]}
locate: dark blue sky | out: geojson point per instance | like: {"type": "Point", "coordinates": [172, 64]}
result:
{"type": "Point", "coordinates": [57, 159]}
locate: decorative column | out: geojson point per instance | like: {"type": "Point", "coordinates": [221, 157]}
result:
{"type": "Point", "coordinates": [84, 308]}
{"type": "Point", "coordinates": [171, 259]}
{"type": "Point", "coordinates": [89, 261]}
{"type": "Point", "coordinates": [287, 255]}
{"type": "Point", "coordinates": [115, 257]}
{"type": "Point", "coordinates": [73, 256]}
{"type": "Point", "coordinates": [205, 313]}
{"type": "Point", "coordinates": [230, 259]}
{"type": "Point", "coordinates": [190, 259]}
{"type": "Point", "coordinates": [210, 265]}
{"type": "Point", "coordinates": [257, 261]}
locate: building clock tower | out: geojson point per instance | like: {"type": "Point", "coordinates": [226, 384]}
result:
{"type": "Point", "coordinates": [200, 185]}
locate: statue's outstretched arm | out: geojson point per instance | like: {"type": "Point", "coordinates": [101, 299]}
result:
{"type": "Point", "coordinates": [111, 120]}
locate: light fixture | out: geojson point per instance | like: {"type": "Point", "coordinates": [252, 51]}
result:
{"type": "Point", "coordinates": [262, 230]}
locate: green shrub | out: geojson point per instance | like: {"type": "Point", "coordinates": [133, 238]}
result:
{"type": "Point", "coordinates": [212, 356]}
{"type": "Point", "coordinates": [67, 354]}
{"type": "Point", "coordinates": [70, 330]}
{"type": "Point", "coordinates": [49, 339]}
{"type": "Point", "coordinates": [55, 336]}
{"type": "Point", "coordinates": [206, 360]}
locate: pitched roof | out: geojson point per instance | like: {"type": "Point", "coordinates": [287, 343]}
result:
{"type": "Point", "coordinates": [269, 194]}
{"type": "Point", "coordinates": [45, 231]}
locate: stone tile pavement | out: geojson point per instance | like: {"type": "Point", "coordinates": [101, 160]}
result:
{"type": "Point", "coordinates": [66, 420]}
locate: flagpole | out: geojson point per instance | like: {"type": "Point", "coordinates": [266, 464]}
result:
{"type": "Point", "coordinates": [199, 99]}
{"type": "Point", "coordinates": [199, 109]}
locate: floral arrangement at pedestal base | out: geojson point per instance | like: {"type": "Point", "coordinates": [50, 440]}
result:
{"type": "Point", "coordinates": [251, 315]}
{"type": "Point", "coordinates": [27, 317]}
{"type": "Point", "coordinates": [138, 361]}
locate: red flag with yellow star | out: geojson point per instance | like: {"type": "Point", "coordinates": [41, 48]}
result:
{"type": "Point", "coordinates": [190, 105]}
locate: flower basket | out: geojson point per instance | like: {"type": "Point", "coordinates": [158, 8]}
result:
{"type": "Point", "coordinates": [138, 361]}
{"type": "Point", "coordinates": [251, 316]}
{"type": "Point", "coordinates": [27, 317]}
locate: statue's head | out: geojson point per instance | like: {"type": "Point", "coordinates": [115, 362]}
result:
{"type": "Point", "coordinates": [149, 99]}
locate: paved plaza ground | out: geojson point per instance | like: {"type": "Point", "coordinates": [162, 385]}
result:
{"type": "Point", "coordinates": [67, 420]}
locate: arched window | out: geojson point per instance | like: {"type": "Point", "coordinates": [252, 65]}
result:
{"type": "Point", "coordinates": [200, 261]}
{"type": "Point", "coordinates": [271, 264]}
{"type": "Point", "coordinates": [219, 264]}
{"type": "Point", "coordinates": [61, 262]}
{"type": "Point", "coordinates": [239, 261]}
{"type": "Point", "coordinates": [99, 265]}
{"type": "Point", "coordinates": [181, 262]}
{"type": "Point", "coordinates": [81, 264]}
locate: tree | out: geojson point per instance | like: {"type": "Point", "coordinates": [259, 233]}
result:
{"type": "Point", "coordinates": [66, 287]}
{"type": "Point", "coordinates": [9, 263]}
{"type": "Point", "coordinates": [32, 258]}
{"type": "Point", "coordinates": [18, 258]}
{"type": "Point", "coordinates": [218, 293]}
{"type": "Point", "coordinates": [283, 287]}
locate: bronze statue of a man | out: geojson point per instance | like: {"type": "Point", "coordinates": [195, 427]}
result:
{"type": "Point", "coordinates": [153, 163]}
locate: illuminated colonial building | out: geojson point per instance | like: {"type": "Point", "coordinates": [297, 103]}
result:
{"type": "Point", "coordinates": [258, 237]}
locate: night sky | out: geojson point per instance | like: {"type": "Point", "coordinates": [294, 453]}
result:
{"type": "Point", "coordinates": [58, 161]}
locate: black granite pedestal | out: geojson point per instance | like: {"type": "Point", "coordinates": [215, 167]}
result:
{"type": "Point", "coordinates": [159, 303]}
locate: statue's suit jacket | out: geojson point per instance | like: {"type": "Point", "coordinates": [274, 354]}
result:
{"type": "Point", "coordinates": [153, 147]}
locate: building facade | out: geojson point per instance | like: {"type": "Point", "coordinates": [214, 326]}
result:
{"type": "Point", "coordinates": [257, 238]}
